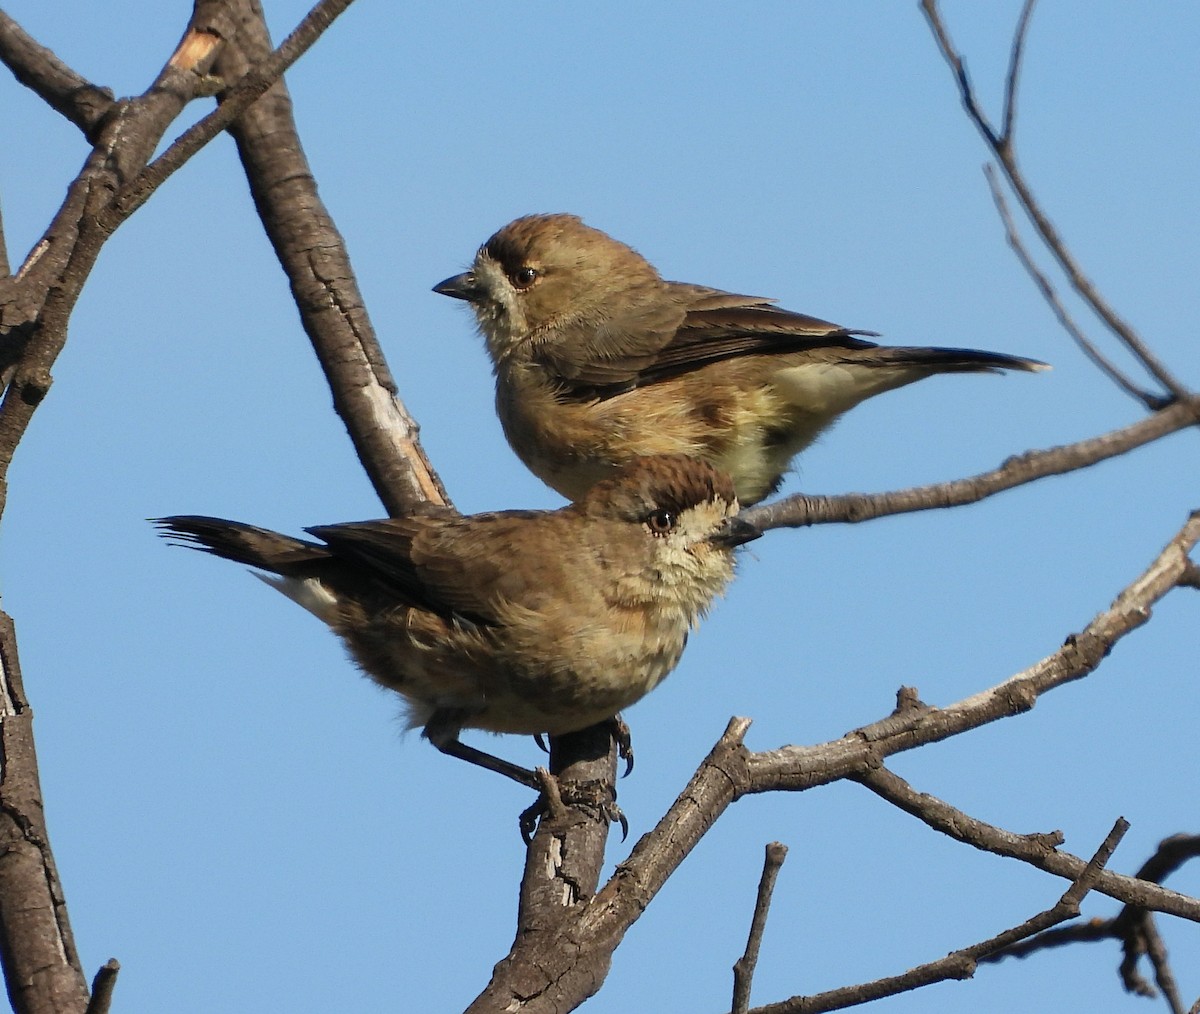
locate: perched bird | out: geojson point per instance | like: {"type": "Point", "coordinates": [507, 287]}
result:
{"type": "Point", "coordinates": [515, 621]}
{"type": "Point", "coordinates": [598, 360]}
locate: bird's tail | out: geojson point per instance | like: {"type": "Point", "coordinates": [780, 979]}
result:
{"type": "Point", "coordinates": [255, 547]}
{"type": "Point", "coordinates": [935, 360]}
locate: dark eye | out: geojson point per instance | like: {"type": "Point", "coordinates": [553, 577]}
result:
{"type": "Point", "coordinates": [524, 277]}
{"type": "Point", "coordinates": [662, 522]}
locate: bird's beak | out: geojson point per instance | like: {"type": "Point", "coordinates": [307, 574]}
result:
{"type": "Point", "coordinates": [734, 532]}
{"type": "Point", "coordinates": [461, 286]}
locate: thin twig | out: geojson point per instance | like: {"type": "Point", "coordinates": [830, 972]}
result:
{"type": "Point", "coordinates": [1014, 71]}
{"type": "Point", "coordinates": [959, 964]}
{"type": "Point", "coordinates": [1146, 940]}
{"type": "Point", "coordinates": [1050, 295]}
{"type": "Point", "coordinates": [859, 754]}
{"type": "Point", "coordinates": [1134, 928]}
{"type": "Point", "coordinates": [743, 968]}
{"type": "Point", "coordinates": [1004, 150]}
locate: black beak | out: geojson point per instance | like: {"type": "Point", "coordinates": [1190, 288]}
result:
{"type": "Point", "coordinates": [735, 532]}
{"type": "Point", "coordinates": [459, 287]}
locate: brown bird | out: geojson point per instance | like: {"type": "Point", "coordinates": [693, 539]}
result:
{"type": "Point", "coordinates": [598, 360]}
{"type": "Point", "coordinates": [514, 621]}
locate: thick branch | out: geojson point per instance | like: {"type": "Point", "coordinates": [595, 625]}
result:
{"type": "Point", "coordinates": [42, 970]}
{"type": "Point", "coordinates": [851, 508]}
{"type": "Point", "coordinates": [540, 979]}
{"type": "Point", "coordinates": [36, 303]}
{"type": "Point", "coordinates": [235, 101]}
{"type": "Point", "coordinates": [38, 69]}
{"type": "Point", "coordinates": [314, 257]}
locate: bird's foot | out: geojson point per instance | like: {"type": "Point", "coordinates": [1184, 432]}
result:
{"type": "Point", "coordinates": [556, 796]}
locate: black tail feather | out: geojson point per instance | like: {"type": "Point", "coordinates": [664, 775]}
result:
{"type": "Point", "coordinates": [242, 543]}
{"type": "Point", "coordinates": [940, 360]}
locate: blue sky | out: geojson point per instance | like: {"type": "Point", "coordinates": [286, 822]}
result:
{"type": "Point", "coordinates": [236, 814]}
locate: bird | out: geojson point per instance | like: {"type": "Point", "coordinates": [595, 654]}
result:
{"type": "Point", "coordinates": [598, 360]}
{"type": "Point", "coordinates": [520, 621]}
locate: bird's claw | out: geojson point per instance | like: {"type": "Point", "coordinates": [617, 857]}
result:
{"type": "Point", "coordinates": [555, 797]}
{"type": "Point", "coordinates": [624, 740]}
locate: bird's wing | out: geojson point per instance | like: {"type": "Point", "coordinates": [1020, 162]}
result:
{"type": "Point", "coordinates": [703, 326]}
{"type": "Point", "coordinates": [452, 566]}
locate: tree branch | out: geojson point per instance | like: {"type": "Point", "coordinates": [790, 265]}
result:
{"type": "Point", "coordinates": [564, 977]}
{"type": "Point", "coordinates": [743, 968]}
{"type": "Point", "coordinates": [314, 258]}
{"type": "Point", "coordinates": [851, 508]}
{"type": "Point", "coordinates": [42, 971]}
{"type": "Point", "coordinates": [1003, 148]}
{"type": "Point", "coordinates": [41, 967]}
{"type": "Point", "coordinates": [235, 101]}
{"type": "Point", "coordinates": [103, 984]}
{"type": "Point", "coordinates": [557, 978]}
{"type": "Point", "coordinates": [1134, 927]}
{"type": "Point", "coordinates": [913, 724]}
{"type": "Point", "coordinates": [1103, 363]}
{"type": "Point", "coordinates": [960, 964]}
{"type": "Point", "coordinates": [38, 69]}
{"type": "Point", "coordinates": [1038, 850]}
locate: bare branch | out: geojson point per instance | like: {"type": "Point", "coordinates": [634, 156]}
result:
{"type": "Point", "coordinates": [5, 268]}
{"type": "Point", "coordinates": [1039, 850]}
{"type": "Point", "coordinates": [544, 976]}
{"type": "Point", "coordinates": [1014, 70]}
{"type": "Point", "coordinates": [235, 101]}
{"type": "Point", "coordinates": [38, 69]}
{"type": "Point", "coordinates": [1134, 927]}
{"type": "Point", "coordinates": [564, 976]}
{"type": "Point", "coordinates": [41, 967]}
{"type": "Point", "coordinates": [1148, 399]}
{"type": "Point", "coordinates": [102, 987]}
{"type": "Point", "coordinates": [860, 753]}
{"type": "Point", "coordinates": [1004, 150]}
{"type": "Point", "coordinates": [41, 964]}
{"type": "Point", "coordinates": [743, 968]}
{"type": "Point", "coordinates": [317, 264]}
{"type": "Point", "coordinates": [965, 91]}
{"type": "Point", "coordinates": [1141, 938]}
{"type": "Point", "coordinates": [851, 508]}
{"type": "Point", "coordinates": [960, 964]}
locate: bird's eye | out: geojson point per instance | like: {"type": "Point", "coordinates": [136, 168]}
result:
{"type": "Point", "coordinates": [662, 522]}
{"type": "Point", "coordinates": [524, 277]}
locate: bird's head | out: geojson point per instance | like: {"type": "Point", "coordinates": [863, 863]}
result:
{"type": "Point", "coordinates": [545, 278]}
